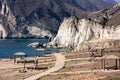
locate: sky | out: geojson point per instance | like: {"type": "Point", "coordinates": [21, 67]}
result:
{"type": "Point", "coordinates": [117, 0]}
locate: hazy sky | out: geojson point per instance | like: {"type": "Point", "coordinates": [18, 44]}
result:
{"type": "Point", "coordinates": [117, 0]}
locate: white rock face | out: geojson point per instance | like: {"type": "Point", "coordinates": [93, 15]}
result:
{"type": "Point", "coordinates": [111, 32]}
{"type": "Point", "coordinates": [9, 19]}
{"type": "Point", "coordinates": [5, 9]}
{"type": "Point", "coordinates": [2, 32]}
{"type": "Point", "coordinates": [74, 31]}
{"type": "Point", "coordinates": [35, 31]}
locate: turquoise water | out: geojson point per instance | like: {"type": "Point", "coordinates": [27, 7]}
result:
{"type": "Point", "coordinates": [10, 46]}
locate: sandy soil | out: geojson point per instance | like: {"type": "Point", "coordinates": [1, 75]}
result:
{"type": "Point", "coordinates": [11, 71]}
{"type": "Point", "coordinates": [78, 66]}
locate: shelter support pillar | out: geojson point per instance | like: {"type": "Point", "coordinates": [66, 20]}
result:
{"type": "Point", "coordinates": [119, 63]}
{"type": "Point", "coordinates": [102, 52]}
{"type": "Point", "coordinates": [103, 64]}
{"type": "Point", "coordinates": [116, 62]}
{"type": "Point", "coordinates": [14, 59]}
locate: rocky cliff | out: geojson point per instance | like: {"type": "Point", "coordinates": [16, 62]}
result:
{"type": "Point", "coordinates": [11, 25]}
{"type": "Point", "coordinates": [74, 31]}
{"type": "Point", "coordinates": [37, 18]}
{"type": "Point", "coordinates": [7, 19]}
{"type": "Point", "coordinates": [34, 18]}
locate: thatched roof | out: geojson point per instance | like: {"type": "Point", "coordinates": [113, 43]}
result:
{"type": "Point", "coordinates": [40, 49]}
{"type": "Point", "coordinates": [20, 54]}
{"type": "Point", "coordinates": [99, 48]}
{"type": "Point", "coordinates": [110, 57]}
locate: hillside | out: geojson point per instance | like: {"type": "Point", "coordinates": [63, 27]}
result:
{"type": "Point", "coordinates": [107, 17]}
{"type": "Point", "coordinates": [74, 31]}
{"type": "Point", "coordinates": [38, 18]}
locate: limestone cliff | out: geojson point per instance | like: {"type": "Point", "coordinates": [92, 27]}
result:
{"type": "Point", "coordinates": [7, 20]}
{"type": "Point", "coordinates": [19, 17]}
{"type": "Point", "coordinates": [9, 24]}
{"type": "Point", "coordinates": [74, 31]}
{"type": "Point", "coordinates": [2, 32]}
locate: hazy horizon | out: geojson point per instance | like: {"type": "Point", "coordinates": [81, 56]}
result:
{"type": "Point", "coordinates": [117, 0]}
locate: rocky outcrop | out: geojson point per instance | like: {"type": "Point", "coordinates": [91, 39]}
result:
{"type": "Point", "coordinates": [102, 24]}
{"type": "Point", "coordinates": [7, 19]}
{"type": "Point", "coordinates": [10, 27]}
{"type": "Point", "coordinates": [3, 33]}
{"type": "Point", "coordinates": [74, 31]}
{"type": "Point", "coordinates": [20, 16]}
{"type": "Point", "coordinates": [107, 17]}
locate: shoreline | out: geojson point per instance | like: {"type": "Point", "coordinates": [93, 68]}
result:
{"type": "Point", "coordinates": [10, 46]}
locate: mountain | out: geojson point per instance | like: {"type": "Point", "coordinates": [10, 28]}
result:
{"type": "Point", "coordinates": [102, 24]}
{"type": "Point", "coordinates": [107, 17]}
{"type": "Point", "coordinates": [39, 18]}
{"type": "Point", "coordinates": [94, 5]}
{"type": "Point", "coordinates": [31, 17]}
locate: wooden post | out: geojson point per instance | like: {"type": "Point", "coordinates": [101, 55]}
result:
{"type": "Point", "coordinates": [102, 52]}
{"type": "Point", "coordinates": [36, 64]}
{"type": "Point", "coordinates": [24, 65]}
{"type": "Point", "coordinates": [25, 56]}
{"type": "Point", "coordinates": [119, 64]}
{"type": "Point", "coordinates": [14, 59]}
{"type": "Point", "coordinates": [103, 64]}
{"type": "Point", "coordinates": [116, 63]}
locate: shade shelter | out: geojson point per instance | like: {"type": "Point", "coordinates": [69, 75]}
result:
{"type": "Point", "coordinates": [39, 49]}
{"type": "Point", "coordinates": [101, 50]}
{"type": "Point", "coordinates": [19, 54]}
{"type": "Point", "coordinates": [35, 45]}
{"type": "Point", "coordinates": [32, 60]}
{"type": "Point", "coordinates": [92, 53]}
{"type": "Point", "coordinates": [110, 57]}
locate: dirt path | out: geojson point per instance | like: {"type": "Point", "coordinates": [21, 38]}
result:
{"type": "Point", "coordinates": [60, 62]}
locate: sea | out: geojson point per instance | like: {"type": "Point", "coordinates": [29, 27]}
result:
{"type": "Point", "coordinates": [8, 47]}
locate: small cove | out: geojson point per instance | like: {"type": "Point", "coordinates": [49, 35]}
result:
{"type": "Point", "coordinates": [10, 46]}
